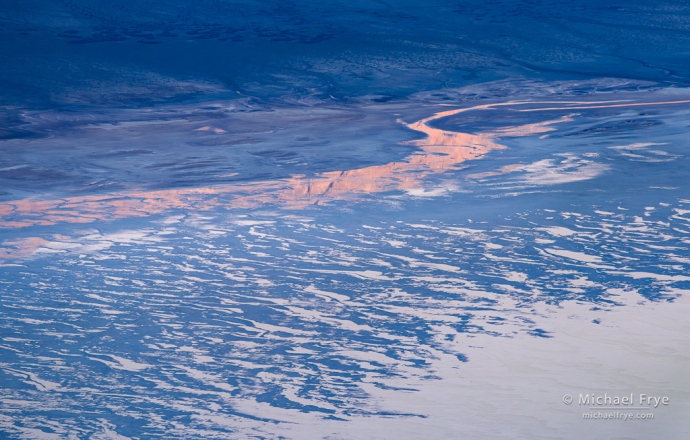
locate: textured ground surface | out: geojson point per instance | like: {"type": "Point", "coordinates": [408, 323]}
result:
{"type": "Point", "coordinates": [359, 220]}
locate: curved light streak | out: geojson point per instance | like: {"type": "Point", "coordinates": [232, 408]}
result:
{"type": "Point", "coordinates": [439, 151]}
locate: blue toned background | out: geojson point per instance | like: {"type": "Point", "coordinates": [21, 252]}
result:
{"type": "Point", "coordinates": [254, 219]}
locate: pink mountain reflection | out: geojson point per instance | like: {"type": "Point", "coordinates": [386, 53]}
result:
{"type": "Point", "coordinates": [440, 151]}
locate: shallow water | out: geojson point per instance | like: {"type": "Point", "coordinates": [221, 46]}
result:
{"type": "Point", "coordinates": [509, 251]}
{"type": "Point", "coordinates": [359, 219]}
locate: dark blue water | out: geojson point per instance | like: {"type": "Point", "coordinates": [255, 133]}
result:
{"type": "Point", "coordinates": [219, 219]}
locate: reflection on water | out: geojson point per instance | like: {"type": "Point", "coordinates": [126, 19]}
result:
{"type": "Point", "coordinates": [439, 151]}
{"type": "Point", "coordinates": [275, 324]}
{"type": "Point", "coordinates": [283, 322]}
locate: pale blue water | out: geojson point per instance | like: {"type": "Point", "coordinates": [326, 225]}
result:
{"type": "Point", "coordinates": [174, 266]}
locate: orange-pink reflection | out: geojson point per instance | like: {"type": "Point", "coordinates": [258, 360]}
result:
{"type": "Point", "coordinates": [440, 151]}
{"type": "Point", "coordinates": [21, 247]}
